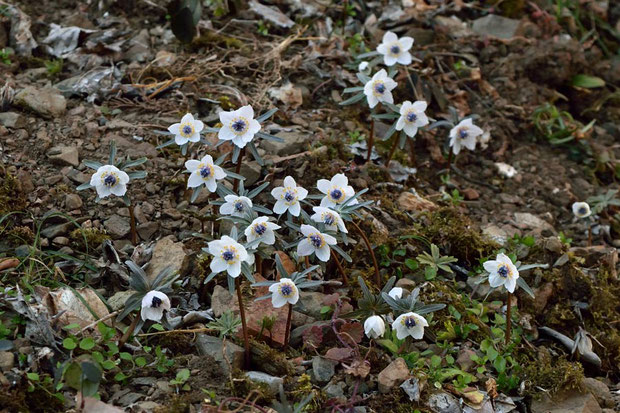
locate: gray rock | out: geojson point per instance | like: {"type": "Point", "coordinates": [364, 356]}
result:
{"type": "Point", "coordinates": [525, 220]}
{"type": "Point", "coordinates": [12, 120]}
{"type": "Point", "coordinates": [47, 102]}
{"type": "Point", "coordinates": [144, 381]}
{"type": "Point", "coordinates": [117, 226]}
{"type": "Point", "coordinates": [464, 359]}
{"type": "Point", "coordinates": [64, 155]}
{"type": "Point", "coordinates": [311, 303]}
{"type": "Point", "coordinates": [73, 201]}
{"type": "Point", "coordinates": [393, 375]}
{"type": "Point", "coordinates": [251, 171]}
{"type": "Point", "coordinates": [444, 403]}
{"type": "Point", "coordinates": [322, 369]}
{"type": "Point", "coordinates": [129, 399]}
{"type": "Point", "coordinates": [567, 402]}
{"type": "Point", "coordinates": [335, 390]}
{"type": "Point", "coordinates": [7, 360]}
{"type": "Point", "coordinates": [57, 230]}
{"type": "Point", "coordinates": [600, 391]}
{"type": "Point", "coordinates": [117, 301]}
{"type": "Point", "coordinates": [271, 381]}
{"type": "Point", "coordinates": [494, 233]}
{"type": "Point", "coordinates": [146, 231]}
{"type": "Point", "coordinates": [222, 301]}
{"type": "Point", "coordinates": [62, 241]}
{"type": "Point", "coordinates": [412, 388]}
{"type": "Point", "coordinates": [496, 26]}
{"type": "Point", "coordinates": [294, 141]}
{"type": "Point", "coordinates": [215, 347]}
{"type": "Point", "coordinates": [166, 252]}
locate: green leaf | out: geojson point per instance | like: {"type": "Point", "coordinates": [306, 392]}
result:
{"type": "Point", "coordinates": [183, 375]}
{"type": "Point", "coordinates": [125, 356]}
{"type": "Point", "coordinates": [87, 343]}
{"type": "Point", "coordinates": [492, 353]}
{"type": "Point", "coordinates": [108, 364]}
{"type": "Point", "coordinates": [120, 377]}
{"type": "Point", "coordinates": [157, 327]}
{"type": "Point", "coordinates": [140, 361]}
{"type": "Point", "coordinates": [388, 344]}
{"type": "Point", "coordinates": [69, 343]}
{"type": "Point", "coordinates": [71, 326]}
{"type": "Point", "coordinates": [32, 376]}
{"type": "Point", "coordinates": [587, 81]}
{"type": "Point", "coordinates": [412, 264]}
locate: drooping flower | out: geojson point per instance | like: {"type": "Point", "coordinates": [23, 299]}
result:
{"type": "Point", "coordinates": [153, 305]}
{"type": "Point", "coordinates": [186, 131]}
{"type": "Point", "coordinates": [261, 227]}
{"type": "Point", "coordinates": [502, 272]}
{"type": "Point", "coordinates": [235, 205]}
{"type": "Point", "coordinates": [109, 180]}
{"type": "Point", "coordinates": [395, 50]}
{"type": "Point", "coordinates": [363, 66]}
{"type": "Point", "coordinates": [396, 292]}
{"type": "Point", "coordinates": [315, 242]}
{"type": "Point", "coordinates": [204, 172]}
{"type": "Point", "coordinates": [464, 134]}
{"type": "Point", "coordinates": [374, 326]}
{"type": "Point", "coordinates": [288, 197]}
{"type": "Point", "coordinates": [330, 218]}
{"type": "Point", "coordinates": [412, 117]}
{"type": "Point", "coordinates": [410, 324]}
{"type": "Point", "coordinates": [378, 89]}
{"type": "Point", "coordinates": [283, 292]}
{"type": "Point", "coordinates": [227, 256]}
{"type": "Point", "coordinates": [336, 191]}
{"type": "Point", "coordinates": [238, 126]}
{"type": "Point", "coordinates": [581, 209]}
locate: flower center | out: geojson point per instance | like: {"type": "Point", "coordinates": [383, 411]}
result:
{"type": "Point", "coordinates": [110, 180]}
{"type": "Point", "coordinates": [239, 206]}
{"type": "Point", "coordinates": [395, 49]}
{"type": "Point", "coordinates": [187, 130]}
{"type": "Point", "coordinates": [503, 271]}
{"type": "Point", "coordinates": [286, 290]}
{"type": "Point", "coordinates": [205, 171]}
{"type": "Point", "coordinates": [229, 254]}
{"type": "Point", "coordinates": [463, 133]}
{"type": "Point", "coordinates": [239, 125]}
{"type": "Point", "coordinates": [260, 229]}
{"type": "Point", "coordinates": [379, 88]}
{"type": "Point", "coordinates": [316, 240]}
{"type": "Point", "coordinates": [411, 117]}
{"type": "Point", "coordinates": [290, 196]}
{"type": "Point", "coordinates": [409, 322]}
{"type": "Point", "coordinates": [582, 211]}
{"type": "Point", "coordinates": [336, 194]}
{"type": "Point", "coordinates": [156, 302]}
{"type": "Point", "coordinates": [329, 219]}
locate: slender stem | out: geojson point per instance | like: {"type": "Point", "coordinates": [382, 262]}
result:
{"type": "Point", "coordinates": [392, 150]}
{"type": "Point", "coordinates": [129, 331]}
{"type": "Point", "coordinates": [508, 317]}
{"type": "Point", "coordinates": [412, 151]}
{"type": "Point", "coordinates": [93, 324]}
{"type": "Point", "coordinates": [259, 264]}
{"type": "Point", "coordinates": [450, 158]}
{"type": "Point", "coordinates": [246, 342]}
{"type": "Point", "coordinates": [132, 224]}
{"type": "Point", "coordinates": [345, 280]}
{"type": "Point", "coordinates": [371, 138]}
{"type": "Point", "coordinates": [372, 253]}
{"type": "Point", "coordinates": [589, 235]}
{"type": "Point", "coordinates": [307, 259]}
{"type": "Point", "coordinates": [287, 332]}
{"type": "Point", "coordinates": [238, 169]}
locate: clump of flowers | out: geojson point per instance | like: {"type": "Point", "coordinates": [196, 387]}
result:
{"type": "Point", "coordinates": [111, 179]}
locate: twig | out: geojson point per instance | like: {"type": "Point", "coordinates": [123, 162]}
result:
{"type": "Point", "coordinates": [180, 331]}
{"type": "Point", "coordinates": [372, 253]}
{"type": "Point", "coordinates": [91, 325]}
{"type": "Point", "coordinates": [289, 318]}
{"type": "Point", "coordinates": [129, 331]}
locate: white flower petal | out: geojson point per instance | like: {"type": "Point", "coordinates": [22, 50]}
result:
{"type": "Point", "coordinates": [304, 248]}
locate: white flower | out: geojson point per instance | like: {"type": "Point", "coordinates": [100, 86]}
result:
{"type": "Point", "coordinates": [238, 126]}
{"type": "Point", "coordinates": [464, 134]}
{"type": "Point", "coordinates": [484, 139]}
{"type": "Point", "coordinates": [396, 292]}
{"type": "Point", "coordinates": [502, 272]}
{"type": "Point", "coordinates": [581, 209]}
{"type": "Point", "coordinates": [395, 50]}
{"type": "Point", "coordinates": [235, 205]}
{"type": "Point", "coordinates": [109, 180]}
{"type": "Point", "coordinates": [153, 305]}
{"type": "Point", "coordinates": [227, 256]}
{"type": "Point", "coordinates": [283, 292]}
{"type": "Point", "coordinates": [186, 131]}
{"type": "Point", "coordinates": [374, 326]}
{"type": "Point", "coordinates": [315, 242]}
{"type": "Point", "coordinates": [362, 66]}
{"type": "Point", "coordinates": [378, 89]}
{"type": "Point", "coordinates": [261, 227]}
{"type": "Point", "coordinates": [288, 197]}
{"type": "Point", "coordinates": [410, 324]}
{"type": "Point", "coordinates": [412, 117]}
{"type": "Point", "coordinates": [204, 172]}
{"type": "Point", "coordinates": [336, 191]}
{"type": "Point", "coordinates": [505, 170]}
{"type": "Point", "coordinates": [330, 218]}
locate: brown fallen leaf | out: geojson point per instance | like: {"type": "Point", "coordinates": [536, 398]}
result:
{"type": "Point", "coordinates": [8, 263]}
{"type": "Point", "coordinates": [491, 386]}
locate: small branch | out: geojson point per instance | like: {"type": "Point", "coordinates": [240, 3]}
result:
{"type": "Point", "coordinates": [181, 331]}
{"type": "Point", "coordinates": [129, 331]}
{"type": "Point", "coordinates": [372, 253]}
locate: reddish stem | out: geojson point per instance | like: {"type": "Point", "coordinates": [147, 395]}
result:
{"type": "Point", "coordinates": [287, 332]}
{"type": "Point", "coordinates": [345, 280]}
{"type": "Point", "coordinates": [246, 341]}
{"type": "Point", "coordinates": [372, 253]}
{"type": "Point", "coordinates": [392, 150]}
{"type": "Point", "coordinates": [132, 224]}
{"type": "Point", "coordinates": [238, 169]}
{"type": "Point", "coordinates": [371, 139]}
{"type": "Point", "coordinates": [508, 317]}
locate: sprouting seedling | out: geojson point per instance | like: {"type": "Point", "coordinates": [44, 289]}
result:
{"type": "Point", "coordinates": [286, 290]}
{"type": "Point", "coordinates": [149, 295]}
{"type": "Point", "coordinates": [234, 259]}
{"type": "Point", "coordinates": [407, 118]}
{"type": "Point", "coordinates": [227, 324]}
{"type": "Point", "coordinates": [600, 203]}
{"type": "Point", "coordinates": [111, 179]}
{"type": "Point", "coordinates": [435, 262]}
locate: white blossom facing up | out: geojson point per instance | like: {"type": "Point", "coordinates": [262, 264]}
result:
{"type": "Point", "coordinates": [379, 89]}
{"type": "Point", "coordinates": [410, 324]}
{"type": "Point", "coordinates": [336, 191]}
{"type": "Point", "coordinates": [228, 255]}
{"type": "Point", "coordinates": [238, 126]}
{"type": "Point", "coordinates": [153, 305]}
{"type": "Point", "coordinates": [581, 209]}
{"type": "Point", "coordinates": [396, 293]}
{"type": "Point", "coordinates": [412, 117]}
{"type": "Point", "coordinates": [330, 218]}
{"type": "Point", "coordinates": [374, 326]}
{"type": "Point", "coordinates": [502, 272]}
{"type": "Point", "coordinates": [237, 206]}
{"type": "Point", "coordinates": [187, 131]}
{"type": "Point", "coordinates": [465, 134]}
{"type": "Point", "coordinates": [395, 50]}
{"type": "Point", "coordinates": [283, 292]}
{"type": "Point", "coordinates": [109, 180]}
{"type": "Point", "coordinates": [315, 242]}
{"type": "Point", "coordinates": [204, 172]}
{"type": "Point", "coordinates": [261, 227]}
{"type": "Point", "coordinates": [288, 197]}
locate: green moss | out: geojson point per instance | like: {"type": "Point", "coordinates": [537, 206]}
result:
{"type": "Point", "coordinates": [11, 197]}
{"type": "Point", "coordinates": [210, 39]}
{"type": "Point", "coordinates": [88, 237]}
{"type": "Point", "coordinates": [550, 373]}
{"type": "Point", "coordinates": [20, 235]}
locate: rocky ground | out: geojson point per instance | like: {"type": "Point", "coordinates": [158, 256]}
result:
{"type": "Point", "coordinates": [118, 73]}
